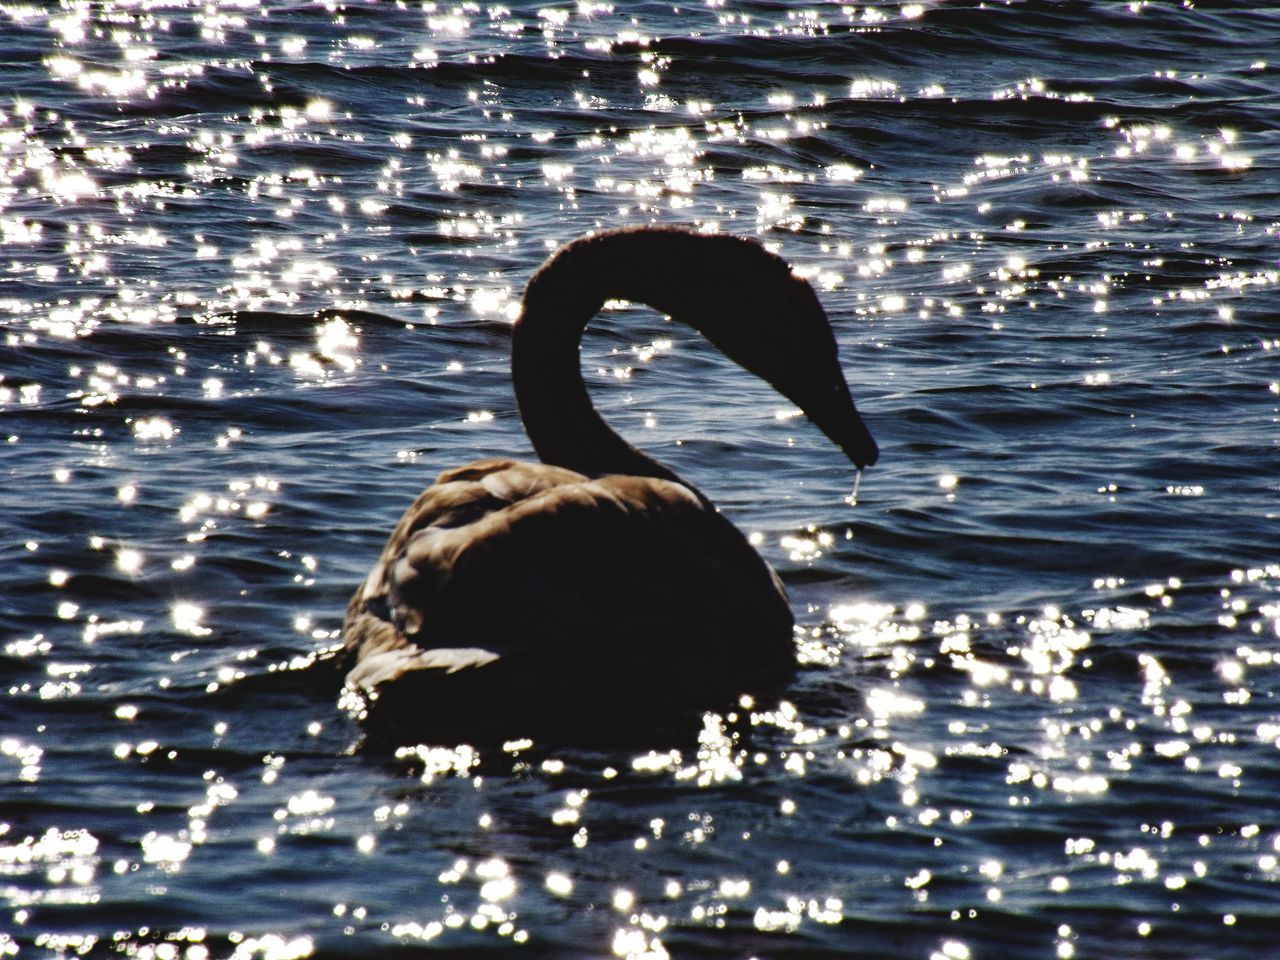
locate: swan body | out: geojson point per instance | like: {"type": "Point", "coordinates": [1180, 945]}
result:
{"type": "Point", "coordinates": [595, 591]}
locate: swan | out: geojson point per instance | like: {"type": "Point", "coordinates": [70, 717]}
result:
{"type": "Point", "coordinates": [595, 590]}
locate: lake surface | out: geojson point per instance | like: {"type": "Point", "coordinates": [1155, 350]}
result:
{"type": "Point", "coordinates": [256, 266]}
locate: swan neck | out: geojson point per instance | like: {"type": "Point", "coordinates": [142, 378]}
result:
{"type": "Point", "coordinates": [561, 421]}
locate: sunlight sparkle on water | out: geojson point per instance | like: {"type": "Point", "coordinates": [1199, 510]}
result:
{"type": "Point", "coordinates": [187, 618]}
{"type": "Point", "coordinates": [154, 428]}
{"type": "Point", "coordinates": [164, 850]}
{"type": "Point", "coordinates": [129, 560]}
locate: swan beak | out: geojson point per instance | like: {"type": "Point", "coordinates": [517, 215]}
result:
{"type": "Point", "coordinates": [858, 444]}
{"type": "Point", "coordinates": [840, 421]}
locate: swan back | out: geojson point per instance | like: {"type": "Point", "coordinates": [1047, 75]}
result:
{"type": "Point", "coordinates": [525, 598]}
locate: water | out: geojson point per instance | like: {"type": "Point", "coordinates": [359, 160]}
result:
{"type": "Point", "coordinates": [257, 261]}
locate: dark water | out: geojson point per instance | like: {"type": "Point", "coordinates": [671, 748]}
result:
{"type": "Point", "coordinates": [255, 267]}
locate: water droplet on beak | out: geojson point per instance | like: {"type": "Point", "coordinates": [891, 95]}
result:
{"type": "Point", "coordinates": [852, 498]}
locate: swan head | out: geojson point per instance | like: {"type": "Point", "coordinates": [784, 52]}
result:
{"type": "Point", "coordinates": [792, 346]}
{"type": "Point", "coordinates": [757, 312]}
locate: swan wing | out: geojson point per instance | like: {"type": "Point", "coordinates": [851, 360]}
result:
{"type": "Point", "coordinates": [543, 579]}
{"type": "Point", "coordinates": [459, 498]}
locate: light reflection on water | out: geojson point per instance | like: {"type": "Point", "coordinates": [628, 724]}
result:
{"type": "Point", "coordinates": [256, 277]}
